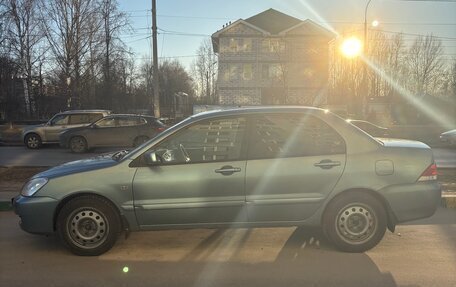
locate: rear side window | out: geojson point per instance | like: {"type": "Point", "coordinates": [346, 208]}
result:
{"type": "Point", "coordinates": [84, 118]}
{"type": "Point", "coordinates": [292, 135]}
{"type": "Point", "coordinates": [94, 117]}
{"type": "Point", "coordinates": [128, 121]}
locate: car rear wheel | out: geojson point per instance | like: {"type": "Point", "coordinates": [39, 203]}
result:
{"type": "Point", "coordinates": [355, 222]}
{"type": "Point", "coordinates": [88, 225]}
{"type": "Point", "coordinates": [33, 141]}
{"type": "Point", "coordinates": [140, 140]}
{"type": "Point", "coordinates": [78, 144]}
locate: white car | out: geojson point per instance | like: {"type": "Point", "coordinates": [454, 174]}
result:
{"type": "Point", "coordinates": [449, 137]}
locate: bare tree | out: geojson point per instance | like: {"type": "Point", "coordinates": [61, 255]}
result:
{"type": "Point", "coordinates": [68, 26]}
{"type": "Point", "coordinates": [424, 64]}
{"type": "Point", "coordinates": [204, 71]}
{"type": "Point", "coordinates": [113, 23]}
{"type": "Point", "coordinates": [24, 36]}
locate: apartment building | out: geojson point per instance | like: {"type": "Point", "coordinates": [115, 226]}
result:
{"type": "Point", "coordinates": [271, 59]}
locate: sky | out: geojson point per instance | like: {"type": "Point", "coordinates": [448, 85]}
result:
{"type": "Point", "coordinates": [184, 24]}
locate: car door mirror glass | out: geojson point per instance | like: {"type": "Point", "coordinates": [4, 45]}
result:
{"type": "Point", "coordinates": [152, 158]}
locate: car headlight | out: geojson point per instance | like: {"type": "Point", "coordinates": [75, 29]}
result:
{"type": "Point", "coordinates": [33, 186]}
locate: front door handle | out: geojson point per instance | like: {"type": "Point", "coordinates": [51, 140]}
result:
{"type": "Point", "coordinates": [227, 170]}
{"type": "Point", "coordinates": [327, 164]}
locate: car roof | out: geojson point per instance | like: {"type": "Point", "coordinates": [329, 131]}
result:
{"type": "Point", "coordinates": [259, 109]}
{"type": "Point", "coordinates": [85, 111]}
{"type": "Point", "coordinates": [129, 115]}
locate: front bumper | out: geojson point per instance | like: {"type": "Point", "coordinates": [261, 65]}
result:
{"type": "Point", "coordinates": [413, 201]}
{"type": "Point", "coordinates": [36, 213]}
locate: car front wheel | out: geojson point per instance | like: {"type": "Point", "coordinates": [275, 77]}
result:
{"type": "Point", "coordinates": [355, 222]}
{"type": "Point", "coordinates": [78, 144]}
{"type": "Point", "coordinates": [140, 140]}
{"type": "Point", "coordinates": [33, 141]}
{"type": "Point", "coordinates": [88, 225]}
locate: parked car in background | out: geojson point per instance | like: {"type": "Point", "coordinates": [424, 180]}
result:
{"type": "Point", "coordinates": [449, 137]}
{"type": "Point", "coordinates": [370, 128]}
{"type": "Point", "coordinates": [35, 136]}
{"type": "Point", "coordinates": [122, 130]}
{"type": "Point", "coordinates": [275, 166]}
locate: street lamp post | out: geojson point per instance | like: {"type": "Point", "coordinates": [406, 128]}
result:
{"type": "Point", "coordinates": [364, 86]}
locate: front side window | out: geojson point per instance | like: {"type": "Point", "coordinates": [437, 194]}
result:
{"type": "Point", "coordinates": [107, 123]}
{"type": "Point", "coordinates": [60, 120]}
{"type": "Point", "coordinates": [292, 135]}
{"type": "Point", "coordinates": [206, 141]}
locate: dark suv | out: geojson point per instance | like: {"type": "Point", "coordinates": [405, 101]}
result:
{"type": "Point", "coordinates": [112, 131]}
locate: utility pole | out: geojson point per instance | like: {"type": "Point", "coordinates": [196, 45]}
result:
{"type": "Point", "coordinates": [155, 62]}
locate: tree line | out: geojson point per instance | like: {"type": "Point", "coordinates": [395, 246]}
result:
{"type": "Point", "coordinates": [69, 54]}
{"type": "Point", "coordinates": [411, 77]}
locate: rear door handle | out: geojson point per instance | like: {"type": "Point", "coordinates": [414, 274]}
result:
{"type": "Point", "coordinates": [228, 170]}
{"type": "Point", "coordinates": [327, 164]}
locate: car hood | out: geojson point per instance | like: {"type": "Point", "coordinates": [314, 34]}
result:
{"type": "Point", "coordinates": [98, 162]}
{"type": "Point", "coordinates": [28, 128]}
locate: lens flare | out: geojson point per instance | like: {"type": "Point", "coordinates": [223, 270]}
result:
{"type": "Point", "coordinates": [125, 269]}
{"type": "Point", "coordinates": [351, 47]}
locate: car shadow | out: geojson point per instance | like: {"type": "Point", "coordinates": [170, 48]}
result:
{"type": "Point", "coordinates": [255, 257]}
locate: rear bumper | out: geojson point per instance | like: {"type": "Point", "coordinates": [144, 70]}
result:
{"type": "Point", "coordinates": [36, 213]}
{"type": "Point", "coordinates": [413, 201]}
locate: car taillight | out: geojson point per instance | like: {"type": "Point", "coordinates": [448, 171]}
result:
{"type": "Point", "coordinates": [160, 129]}
{"type": "Point", "coordinates": [429, 174]}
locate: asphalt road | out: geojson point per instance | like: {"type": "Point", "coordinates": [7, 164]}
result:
{"type": "Point", "coordinates": [52, 155]}
{"type": "Point", "coordinates": [422, 253]}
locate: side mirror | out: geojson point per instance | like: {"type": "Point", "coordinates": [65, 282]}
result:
{"type": "Point", "coordinates": [152, 158]}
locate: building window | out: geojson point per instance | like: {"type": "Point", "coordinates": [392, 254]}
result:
{"type": "Point", "coordinates": [271, 71]}
{"type": "Point", "coordinates": [272, 46]}
{"type": "Point", "coordinates": [247, 73]}
{"type": "Point", "coordinates": [235, 45]}
{"type": "Point", "coordinates": [231, 72]}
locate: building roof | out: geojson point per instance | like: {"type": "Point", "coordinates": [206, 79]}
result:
{"type": "Point", "coordinates": [273, 21]}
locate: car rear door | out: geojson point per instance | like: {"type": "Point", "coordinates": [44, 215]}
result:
{"type": "Point", "coordinates": [294, 162]}
{"type": "Point", "coordinates": [201, 178]}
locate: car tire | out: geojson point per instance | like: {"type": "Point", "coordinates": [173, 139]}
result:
{"type": "Point", "coordinates": [140, 140]}
{"type": "Point", "coordinates": [33, 141]}
{"type": "Point", "coordinates": [355, 222]}
{"type": "Point", "coordinates": [78, 144]}
{"type": "Point", "coordinates": [88, 225]}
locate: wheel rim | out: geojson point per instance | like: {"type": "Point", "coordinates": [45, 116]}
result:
{"type": "Point", "coordinates": [32, 141]}
{"type": "Point", "coordinates": [356, 223]}
{"type": "Point", "coordinates": [87, 228]}
{"type": "Point", "coordinates": [77, 144]}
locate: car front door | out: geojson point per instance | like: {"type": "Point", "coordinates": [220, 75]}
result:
{"type": "Point", "coordinates": [200, 178]}
{"type": "Point", "coordinates": [55, 126]}
{"type": "Point", "coordinates": [294, 162]}
{"type": "Point", "coordinates": [104, 133]}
